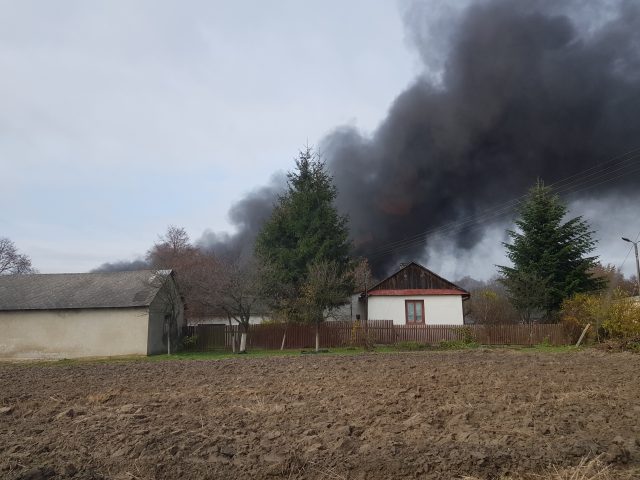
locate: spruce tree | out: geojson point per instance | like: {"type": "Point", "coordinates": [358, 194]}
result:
{"type": "Point", "coordinates": [304, 229]}
{"type": "Point", "coordinates": [550, 257]}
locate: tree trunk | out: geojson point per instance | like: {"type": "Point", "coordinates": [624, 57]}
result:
{"type": "Point", "coordinates": [284, 338]}
{"type": "Point", "coordinates": [317, 337]}
{"type": "Point", "coordinates": [243, 342]}
{"type": "Point", "coordinates": [233, 336]}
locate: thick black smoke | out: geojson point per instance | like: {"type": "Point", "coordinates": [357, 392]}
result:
{"type": "Point", "coordinates": [248, 215]}
{"type": "Point", "coordinates": [122, 266]}
{"type": "Point", "coordinates": [527, 90]}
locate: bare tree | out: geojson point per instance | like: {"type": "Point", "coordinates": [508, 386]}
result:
{"type": "Point", "coordinates": [170, 248]}
{"type": "Point", "coordinates": [614, 279]}
{"type": "Point", "coordinates": [325, 290]}
{"type": "Point", "coordinates": [238, 293]}
{"type": "Point", "coordinates": [192, 266]}
{"type": "Point", "coordinates": [489, 304]}
{"type": "Point", "coordinates": [362, 276]}
{"type": "Point", "coordinates": [13, 262]}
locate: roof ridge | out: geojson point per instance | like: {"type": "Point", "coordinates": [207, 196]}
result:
{"type": "Point", "coordinates": [424, 268]}
{"type": "Point", "coordinates": [54, 291]}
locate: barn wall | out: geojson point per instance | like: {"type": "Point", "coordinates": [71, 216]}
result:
{"type": "Point", "coordinates": [157, 338]}
{"type": "Point", "coordinates": [73, 333]}
{"type": "Point", "coordinates": [439, 309]}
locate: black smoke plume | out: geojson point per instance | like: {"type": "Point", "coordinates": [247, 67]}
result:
{"type": "Point", "coordinates": [512, 91]}
{"type": "Point", "coordinates": [122, 266]}
{"type": "Point", "coordinates": [527, 90]}
{"type": "Point", "coordinates": [248, 215]}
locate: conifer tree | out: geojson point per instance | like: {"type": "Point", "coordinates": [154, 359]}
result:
{"type": "Point", "coordinates": [304, 229]}
{"type": "Point", "coordinates": [550, 257]}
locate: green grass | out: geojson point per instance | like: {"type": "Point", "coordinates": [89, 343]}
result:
{"type": "Point", "coordinates": [251, 353]}
{"type": "Point", "coordinates": [220, 355]}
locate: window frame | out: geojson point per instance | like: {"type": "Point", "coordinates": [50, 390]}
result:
{"type": "Point", "coordinates": [406, 312]}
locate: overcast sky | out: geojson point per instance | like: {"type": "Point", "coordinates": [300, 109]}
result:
{"type": "Point", "coordinates": [119, 118]}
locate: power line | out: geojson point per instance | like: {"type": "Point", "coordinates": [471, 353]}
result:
{"type": "Point", "coordinates": [617, 159]}
{"type": "Point", "coordinates": [487, 215]}
{"type": "Point", "coordinates": [499, 209]}
{"type": "Point", "coordinates": [585, 177]}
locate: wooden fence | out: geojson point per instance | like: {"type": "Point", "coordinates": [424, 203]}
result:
{"type": "Point", "coordinates": [382, 332]}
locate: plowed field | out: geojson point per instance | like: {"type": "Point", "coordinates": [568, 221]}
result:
{"type": "Point", "coordinates": [405, 415]}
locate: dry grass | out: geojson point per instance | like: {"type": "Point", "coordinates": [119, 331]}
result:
{"type": "Point", "coordinates": [587, 469]}
{"type": "Point", "coordinates": [103, 397]}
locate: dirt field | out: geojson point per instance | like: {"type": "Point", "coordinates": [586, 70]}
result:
{"type": "Point", "coordinates": [405, 415]}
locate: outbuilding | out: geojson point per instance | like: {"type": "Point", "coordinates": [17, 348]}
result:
{"type": "Point", "coordinates": [414, 295]}
{"type": "Point", "coordinates": [72, 315]}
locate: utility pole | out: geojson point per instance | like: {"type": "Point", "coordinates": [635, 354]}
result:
{"type": "Point", "coordinates": [635, 246]}
{"type": "Point", "coordinates": [366, 306]}
{"type": "Point", "coordinates": [366, 298]}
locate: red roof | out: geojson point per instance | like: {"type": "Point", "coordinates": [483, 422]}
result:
{"type": "Point", "coordinates": [417, 291]}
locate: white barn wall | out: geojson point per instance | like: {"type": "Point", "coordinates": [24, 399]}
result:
{"type": "Point", "coordinates": [439, 309]}
{"type": "Point", "coordinates": [31, 334]}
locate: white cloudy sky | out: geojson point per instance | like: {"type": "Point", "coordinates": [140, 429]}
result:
{"type": "Point", "coordinates": [119, 118]}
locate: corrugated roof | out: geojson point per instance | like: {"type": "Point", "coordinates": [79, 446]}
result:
{"type": "Point", "coordinates": [79, 290]}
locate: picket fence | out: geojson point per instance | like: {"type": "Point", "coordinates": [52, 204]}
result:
{"type": "Point", "coordinates": [381, 332]}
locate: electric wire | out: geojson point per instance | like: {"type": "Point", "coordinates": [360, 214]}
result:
{"type": "Point", "coordinates": [628, 252]}
{"type": "Point", "coordinates": [487, 215]}
{"type": "Point", "coordinates": [567, 185]}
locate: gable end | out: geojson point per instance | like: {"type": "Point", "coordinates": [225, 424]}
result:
{"type": "Point", "coordinates": [416, 277]}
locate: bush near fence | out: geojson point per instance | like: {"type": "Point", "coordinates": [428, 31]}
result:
{"type": "Point", "coordinates": [381, 332]}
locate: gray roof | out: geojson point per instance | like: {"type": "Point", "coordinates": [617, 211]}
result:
{"type": "Point", "coordinates": [79, 290]}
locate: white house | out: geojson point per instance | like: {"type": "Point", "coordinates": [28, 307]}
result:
{"type": "Point", "coordinates": [72, 315]}
{"type": "Point", "coordinates": [413, 295]}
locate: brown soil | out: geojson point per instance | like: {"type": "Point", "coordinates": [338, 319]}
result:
{"type": "Point", "coordinates": [406, 415]}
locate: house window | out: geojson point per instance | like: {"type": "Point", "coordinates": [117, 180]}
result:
{"type": "Point", "coordinates": [414, 310]}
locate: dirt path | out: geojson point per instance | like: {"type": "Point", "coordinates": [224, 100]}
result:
{"type": "Point", "coordinates": [413, 415]}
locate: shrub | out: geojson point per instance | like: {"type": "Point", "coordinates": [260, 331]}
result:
{"type": "Point", "coordinates": [629, 344]}
{"type": "Point", "coordinates": [545, 343]}
{"type": "Point", "coordinates": [467, 335]}
{"type": "Point", "coordinates": [456, 344]}
{"type": "Point", "coordinates": [189, 341]}
{"type": "Point", "coordinates": [410, 346]}
{"type": "Point", "coordinates": [614, 316]}
{"type": "Point", "coordinates": [360, 337]}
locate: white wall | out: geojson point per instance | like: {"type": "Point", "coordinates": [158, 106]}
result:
{"type": "Point", "coordinates": [349, 310]}
{"type": "Point", "coordinates": [253, 320]}
{"type": "Point", "coordinates": [73, 333]}
{"type": "Point", "coordinates": [439, 309]}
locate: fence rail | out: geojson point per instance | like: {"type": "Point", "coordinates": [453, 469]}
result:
{"type": "Point", "coordinates": [384, 332]}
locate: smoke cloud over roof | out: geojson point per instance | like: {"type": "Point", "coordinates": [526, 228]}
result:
{"type": "Point", "coordinates": [511, 92]}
